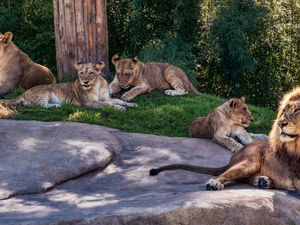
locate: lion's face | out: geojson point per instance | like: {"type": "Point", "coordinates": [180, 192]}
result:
{"type": "Point", "coordinates": [126, 70]}
{"type": "Point", "coordinates": [286, 128]}
{"type": "Point", "coordinates": [288, 123]}
{"type": "Point", "coordinates": [241, 111]}
{"type": "Point", "coordinates": [88, 73]}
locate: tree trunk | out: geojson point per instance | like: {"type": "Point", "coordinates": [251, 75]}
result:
{"type": "Point", "coordinates": [80, 34]}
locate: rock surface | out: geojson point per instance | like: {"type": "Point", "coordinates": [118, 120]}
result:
{"type": "Point", "coordinates": [72, 173]}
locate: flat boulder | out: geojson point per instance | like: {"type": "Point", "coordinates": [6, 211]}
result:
{"type": "Point", "coordinates": [120, 190]}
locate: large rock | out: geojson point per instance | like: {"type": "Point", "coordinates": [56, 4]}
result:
{"type": "Point", "coordinates": [34, 156]}
{"type": "Point", "coordinates": [123, 192]}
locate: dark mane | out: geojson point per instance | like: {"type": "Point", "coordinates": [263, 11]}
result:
{"type": "Point", "coordinates": [291, 161]}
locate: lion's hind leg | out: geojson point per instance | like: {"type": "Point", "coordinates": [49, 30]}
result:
{"type": "Point", "coordinates": [176, 83]}
{"type": "Point", "coordinates": [239, 171]}
{"type": "Point", "coordinates": [260, 181]}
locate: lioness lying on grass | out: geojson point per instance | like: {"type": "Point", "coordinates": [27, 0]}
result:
{"type": "Point", "coordinates": [89, 90]}
{"type": "Point", "coordinates": [145, 77]}
{"type": "Point", "coordinates": [16, 69]}
{"type": "Point", "coordinates": [224, 123]}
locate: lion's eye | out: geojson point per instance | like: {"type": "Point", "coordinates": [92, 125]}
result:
{"type": "Point", "coordinates": [127, 74]}
{"type": "Point", "coordinates": [91, 74]}
{"type": "Point", "coordinates": [296, 110]}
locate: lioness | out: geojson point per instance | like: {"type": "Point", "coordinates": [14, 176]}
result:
{"type": "Point", "coordinates": [16, 69]}
{"type": "Point", "coordinates": [89, 90]}
{"type": "Point", "coordinates": [264, 163]}
{"type": "Point", "coordinates": [224, 123]}
{"type": "Point", "coordinates": [147, 76]}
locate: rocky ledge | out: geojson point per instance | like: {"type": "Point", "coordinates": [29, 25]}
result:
{"type": "Point", "coordinates": [74, 173]}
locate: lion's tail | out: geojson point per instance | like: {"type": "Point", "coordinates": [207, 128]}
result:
{"type": "Point", "coordinates": [198, 169]}
{"type": "Point", "coordinates": [15, 101]}
{"type": "Point", "coordinates": [193, 89]}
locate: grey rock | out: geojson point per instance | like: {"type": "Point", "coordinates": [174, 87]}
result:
{"type": "Point", "coordinates": [122, 192]}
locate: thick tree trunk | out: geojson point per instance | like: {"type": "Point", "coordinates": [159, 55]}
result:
{"type": "Point", "coordinates": [80, 34]}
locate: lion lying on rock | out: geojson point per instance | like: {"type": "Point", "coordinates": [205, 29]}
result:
{"type": "Point", "coordinates": [224, 123]}
{"type": "Point", "coordinates": [89, 90]}
{"type": "Point", "coordinates": [265, 163]}
{"type": "Point", "coordinates": [144, 77]}
{"type": "Point", "coordinates": [16, 69]}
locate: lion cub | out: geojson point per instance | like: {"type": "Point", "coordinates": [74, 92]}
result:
{"type": "Point", "coordinates": [224, 123]}
{"type": "Point", "coordinates": [145, 77]}
{"type": "Point", "coordinates": [89, 90]}
{"type": "Point", "coordinates": [16, 69]}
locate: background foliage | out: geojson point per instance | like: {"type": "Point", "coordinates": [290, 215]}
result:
{"type": "Point", "coordinates": [32, 25]}
{"type": "Point", "coordinates": [228, 48]}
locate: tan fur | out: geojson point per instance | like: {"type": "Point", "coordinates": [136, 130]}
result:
{"type": "Point", "coordinates": [144, 77]}
{"type": "Point", "coordinates": [16, 69]}
{"type": "Point", "coordinates": [265, 163]}
{"type": "Point", "coordinates": [224, 123]}
{"type": "Point", "coordinates": [90, 91]}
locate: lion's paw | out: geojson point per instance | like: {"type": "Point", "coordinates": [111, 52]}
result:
{"type": "Point", "coordinates": [119, 108]}
{"type": "Point", "coordinates": [214, 186]}
{"type": "Point", "coordinates": [263, 182]}
{"type": "Point", "coordinates": [126, 97]}
{"type": "Point", "coordinates": [237, 147]}
{"type": "Point", "coordinates": [170, 92]}
{"type": "Point", "coordinates": [131, 105]}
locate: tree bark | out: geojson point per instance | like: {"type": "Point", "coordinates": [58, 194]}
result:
{"type": "Point", "coordinates": [80, 35]}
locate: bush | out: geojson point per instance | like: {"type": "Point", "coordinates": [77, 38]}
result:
{"type": "Point", "coordinates": [32, 25]}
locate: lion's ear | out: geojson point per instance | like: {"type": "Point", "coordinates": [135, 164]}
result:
{"type": "Point", "coordinates": [115, 59]}
{"type": "Point", "coordinates": [99, 66]}
{"type": "Point", "coordinates": [78, 65]}
{"type": "Point", "coordinates": [135, 61]}
{"type": "Point", "coordinates": [235, 103]}
{"type": "Point", "coordinates": [6, 39]}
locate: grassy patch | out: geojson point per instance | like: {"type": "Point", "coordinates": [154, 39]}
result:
{"type": "Point", "coordinates": [156, 114]}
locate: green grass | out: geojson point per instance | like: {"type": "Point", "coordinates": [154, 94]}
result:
{"type": "Point", "coordinates": [156, 114]}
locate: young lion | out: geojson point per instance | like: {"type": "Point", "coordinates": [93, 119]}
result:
{"type": "Point", "coordinates": [224, 123]}
{"type": "Point", "coordinates": [16, 69]}
{"type": "Point", "coordinates": [264, 163]}
{"type": "Point", "coordinates": [89, 90]}
{"type": "Point", "coordinates": [147, 76]}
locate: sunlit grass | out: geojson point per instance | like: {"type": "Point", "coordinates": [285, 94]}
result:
{"type": "Point", "coordinates": [156, 114]}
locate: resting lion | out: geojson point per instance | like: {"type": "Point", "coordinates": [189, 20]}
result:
{"type": "Point", "coordinates": [90, 91]}
{"type": "Point", "coordinates": [144, 77]}
{"type": "Point", "coordinates": [224, 123]}
{"type": "Point", "coordinates": [264, 163]}
{"type": "Point", "coordinates": [16, 69]}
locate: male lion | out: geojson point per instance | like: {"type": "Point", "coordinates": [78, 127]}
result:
{"type": "Point", "coordinates": [90, 91]}
{"type": "Point", "coordinates": [16, 69]}
{"type": "Point", "coordinates": [147, 76]}
{"type": "Point", "coordinates": [264, 163]}
{"type": "Point", "coordinates": [224, 123]}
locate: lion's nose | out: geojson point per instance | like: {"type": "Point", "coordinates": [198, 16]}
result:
{"type": "Point", "coordinates": [86, 82]}
{"type": "Point", "coordinates": [282, 124]}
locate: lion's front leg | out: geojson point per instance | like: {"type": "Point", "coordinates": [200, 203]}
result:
{"type": "Point", "coordinates": [99, 105]}
{"type": "Point", "coordinates": [120, 102]}
{"type": "Point", "coordinates": [243, 136]}
{"type": "Point", "coordinates": [114, 86]}
{"type": "Point", "coordinates": [137, 90]}
{"type": "Point", "coordinates": [227, 142]}
{"type": "Point", "coordinates": [239, 171]}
